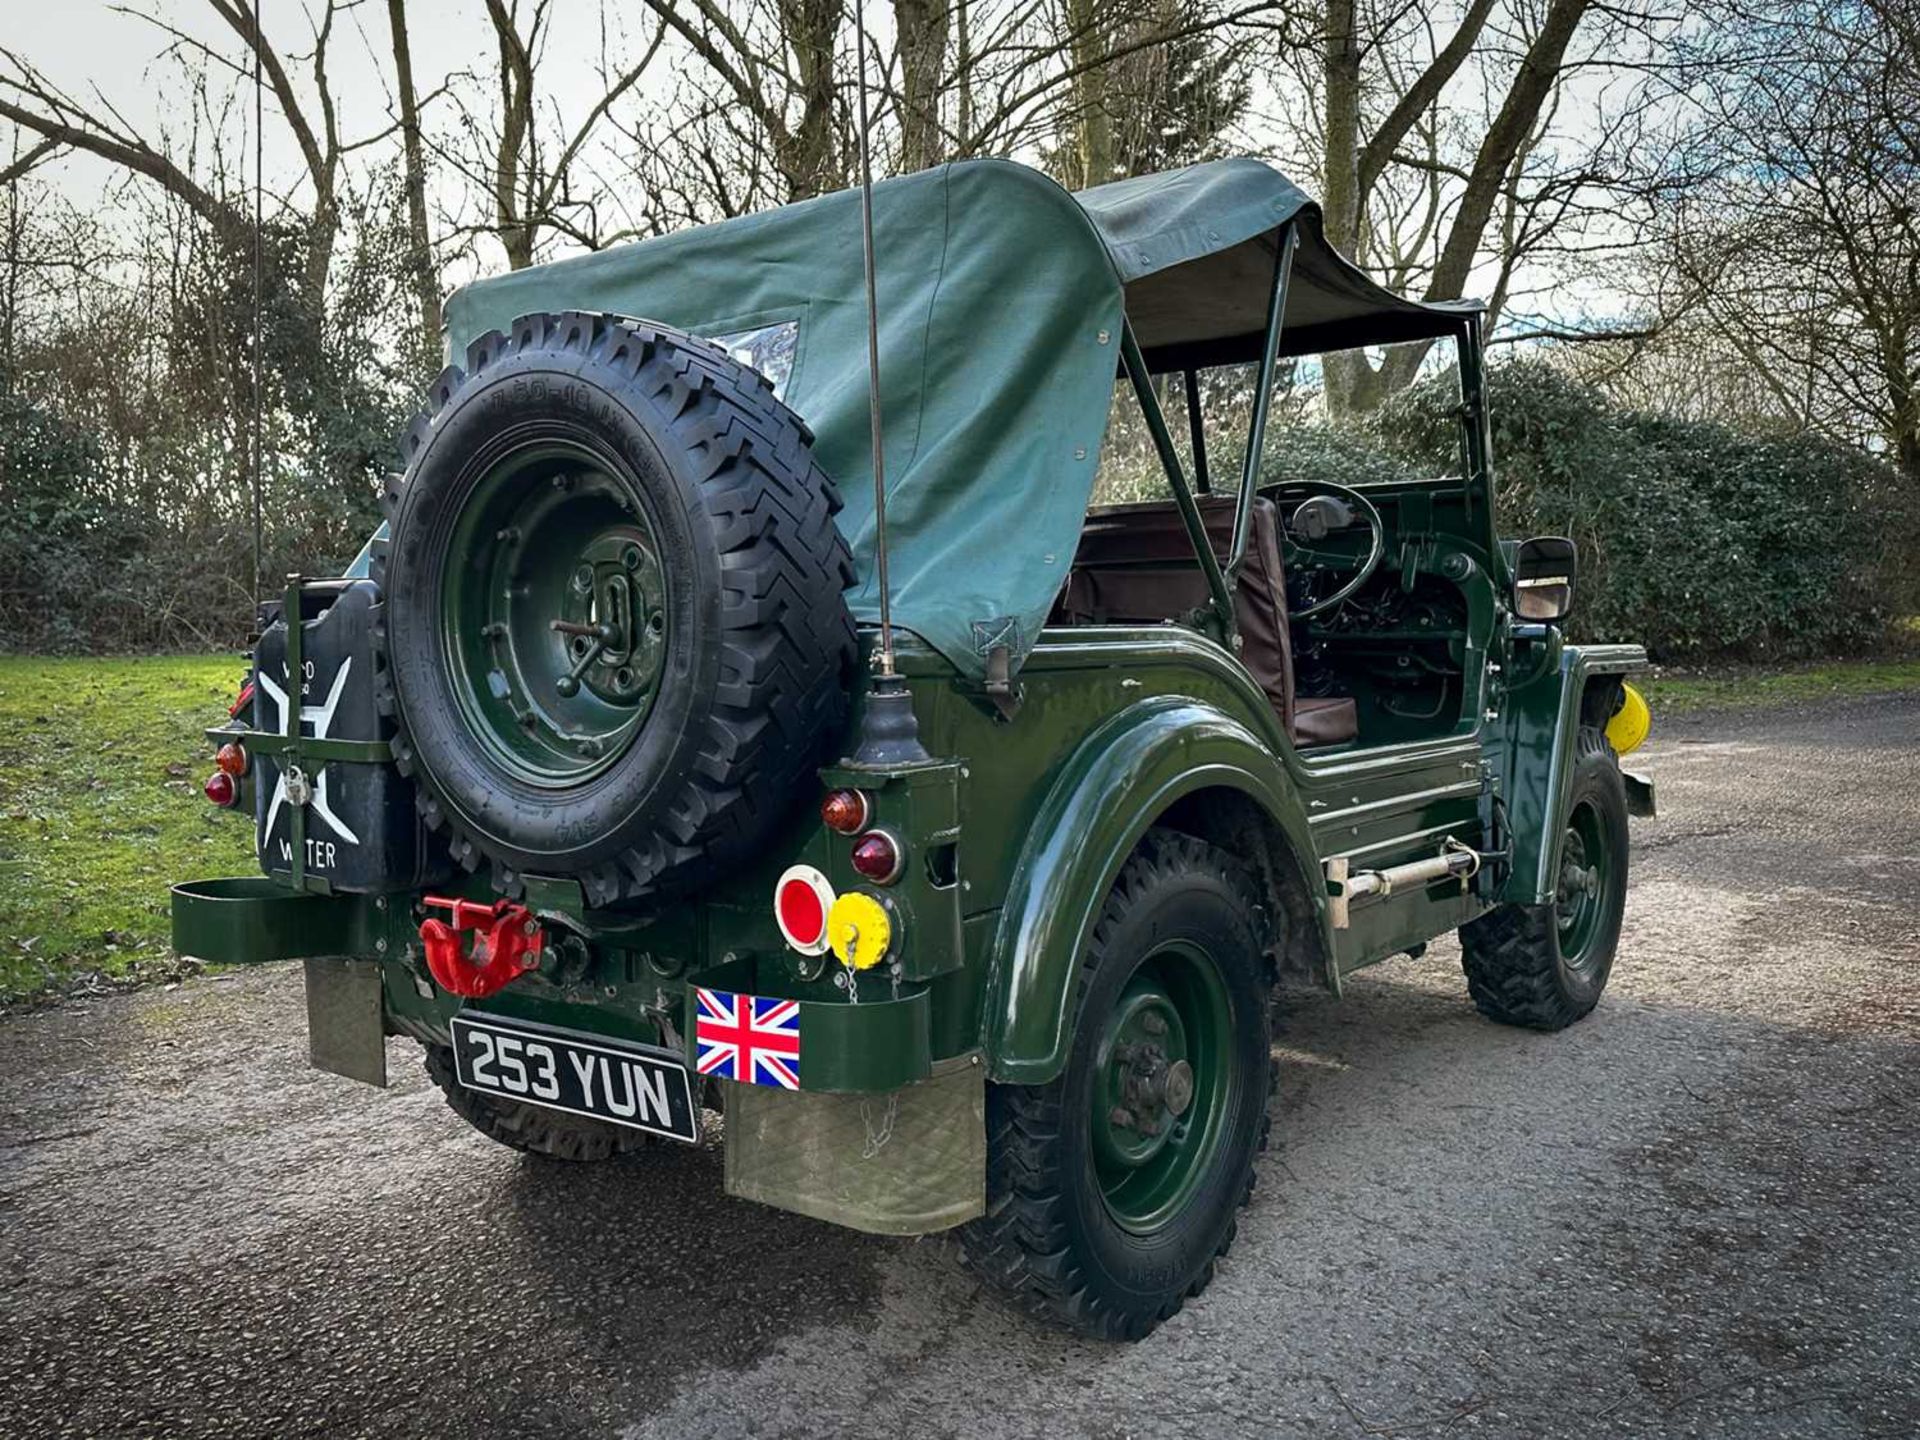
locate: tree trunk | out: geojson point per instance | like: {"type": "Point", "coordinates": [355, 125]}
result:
{"type": "Point", "coordinates": [923, 27]}
{"type": "Point", "coordinates": [1087, 27]}
{"type": "Point", "coordinates": [1539, 73]}
{"type": "Point", "coordinates": [808, 159]}
{"type": "Point", "coordinates": [1352, 384]}
{"type": "Point", "coordinates": [426, 280]}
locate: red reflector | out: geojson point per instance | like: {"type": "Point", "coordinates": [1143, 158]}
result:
{"type": "Point", "coordinates": [244, 699]}
{"type": "Point", "coordinates": [801, 914]}
{"type": "Point", "coordinates": [801, 899]}
{"type": "Point", "coordinates": [231, 758]}
{"type": "Point", "coordinates": [876, 855]}
{"type": "Point", "coordinates": [221, 790]}
{"type": "Point", "coordinates": [845, 811]}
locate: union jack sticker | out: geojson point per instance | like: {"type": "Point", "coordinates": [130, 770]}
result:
{"type": "Point", "coordinates": [749, 1038]}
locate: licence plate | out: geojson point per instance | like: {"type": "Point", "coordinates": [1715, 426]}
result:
{"type": "Point", "coordinates": [637, 1086]}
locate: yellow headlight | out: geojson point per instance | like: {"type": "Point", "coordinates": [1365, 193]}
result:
{"type": "Point", "coordinates": [1627, 730]}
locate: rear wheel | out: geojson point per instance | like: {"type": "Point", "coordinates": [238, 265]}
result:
{"type": "Point", "coordinates": [531, 1129]}
{"type": "Point", "coordinates": [1112, 1190]}
{"type": "Point", "coordinates": [1544, 966]}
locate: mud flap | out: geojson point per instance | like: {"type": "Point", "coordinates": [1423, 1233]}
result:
{"type": "Point", "coordinates": [906, 1162]}
{"type": "Point", "coordinates": [345, 1033]}
{"type": "Point", "coordinates": [1639, 794]}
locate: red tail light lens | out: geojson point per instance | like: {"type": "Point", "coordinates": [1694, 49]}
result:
{"type": "Point", "coordinates": [877, 855]}
{"type": "Point", "coordinates": [801, 898]}
{"type": "Point", "coordinates": [221, 790]}
{"type": "Point", "coordinates": [845, 811]}
{"type": "Point", "coordinates": [232, 759]}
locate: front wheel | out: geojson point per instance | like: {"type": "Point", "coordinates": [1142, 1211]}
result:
{"type": "Point", "coordinates": [1113, 1189]}
{"type": "Point", "coordinates": [1544, 966]}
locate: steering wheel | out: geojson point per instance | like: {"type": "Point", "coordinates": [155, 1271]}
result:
{"type": "Point", "coordinates": [1330, 507]}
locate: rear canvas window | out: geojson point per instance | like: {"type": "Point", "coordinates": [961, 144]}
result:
{"type": "Point", "coordinates": [770, 349]}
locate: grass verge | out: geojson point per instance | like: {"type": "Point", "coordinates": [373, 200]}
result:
{"type": "Point", "coordinates": [1677, 692]}
{"type": "Point", "coordinates": [101, 762]}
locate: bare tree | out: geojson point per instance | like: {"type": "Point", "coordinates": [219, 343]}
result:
{"type": "Point", "coordinates": [307, 107]}
{"type": "Point", "coordinates": [1804, 254]}
{"type": "Point", "coordinates": [426, 278]}
{"type": "Point", "coordinates": [531, 163]}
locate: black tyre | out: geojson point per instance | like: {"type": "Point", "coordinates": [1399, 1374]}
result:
{"type": "Point", "coordinates": [615, 642]}
{"type": "Point", "coordinates": [1112, 1190]}
{"type": "Point", "coordinates": [530, 1129]}
{"type": "Point", "coordinates": [1544, 966]}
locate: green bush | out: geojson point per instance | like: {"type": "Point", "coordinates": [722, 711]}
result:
{"type": "Point", "coordinates": [1694, 538]}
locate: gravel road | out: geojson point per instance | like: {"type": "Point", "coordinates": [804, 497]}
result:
{"type": "Point", "coordinates": [1694, 1214]}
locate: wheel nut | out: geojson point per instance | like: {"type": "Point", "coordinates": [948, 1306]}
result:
{"type": "Point", "coordinates": [1179, 1087]}
{"type": "Point", "coordinates": [1121, 1117]}
{"type": "Point", "coordinates": [1154, 1023]}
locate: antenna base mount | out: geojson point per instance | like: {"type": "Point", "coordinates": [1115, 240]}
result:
{"type": "Point", "coordinates": [889, 730]}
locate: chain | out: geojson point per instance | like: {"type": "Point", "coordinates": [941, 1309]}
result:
{"type": "Point", "coordinates": [875, 1143]}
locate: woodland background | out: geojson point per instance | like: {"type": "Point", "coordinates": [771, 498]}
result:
{"type": "Point", "coordinates": [1697, 228]}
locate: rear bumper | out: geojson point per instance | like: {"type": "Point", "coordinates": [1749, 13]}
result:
{"type": "Point", "coordinates": [875, 1046]}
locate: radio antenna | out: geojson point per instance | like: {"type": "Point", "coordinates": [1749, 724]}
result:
{"type": "Point", "coordinates": [873, 351]}
{"type": "Point", "coordinates": [259, 286]}
{"type": "Point", "coordinates": [889, 730]}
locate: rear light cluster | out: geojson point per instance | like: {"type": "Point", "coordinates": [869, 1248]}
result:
{"type": "Point", "coordinates": [803, 898]}
{"type": "Point", "coordinates": [223, 786]}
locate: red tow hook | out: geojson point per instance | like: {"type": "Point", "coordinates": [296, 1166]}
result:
{"type": "Point", "coordinates": [507, 942]}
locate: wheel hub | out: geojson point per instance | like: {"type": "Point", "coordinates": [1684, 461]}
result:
{"type": "Point", "coordinates": [557, 629]}
{"type": "Point", "coordinates": [1580, 894]}
{"type": "Point", "coordinates": [1160, 1084]}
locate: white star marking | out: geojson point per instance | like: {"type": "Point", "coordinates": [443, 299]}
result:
{"type": "Point", "coordinates": [320, 717]}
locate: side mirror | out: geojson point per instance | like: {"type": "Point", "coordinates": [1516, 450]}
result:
{"type": "Point", "coordinates": [1543, 570]}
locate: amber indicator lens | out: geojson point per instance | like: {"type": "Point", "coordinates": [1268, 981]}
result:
{"type": "Point", "coordinates": [876, 855]}
{"type": "Point", "coordinates": [232, 759]}
{"type": "Point", "coordinates": [221, 790]}
{"type": "Point", "coordinates": [845, 811]}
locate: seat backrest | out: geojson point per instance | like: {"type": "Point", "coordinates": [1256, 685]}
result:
{"type": "Point", "coordinates": [1135, 565]}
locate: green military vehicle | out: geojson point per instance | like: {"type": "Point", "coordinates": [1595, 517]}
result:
{"type": "Point", "coordinates": [947, 837]}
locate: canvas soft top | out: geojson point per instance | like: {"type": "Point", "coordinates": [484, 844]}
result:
{"type": "Point", "coordinates": [1000, 299]}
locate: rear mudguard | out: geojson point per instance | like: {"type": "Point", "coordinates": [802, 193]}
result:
{"type": "Point", "coordinates": [1120, 779]}
{"type": "Point", "coordinates": [1545, 720]}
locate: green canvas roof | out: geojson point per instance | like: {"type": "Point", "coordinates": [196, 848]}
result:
{"type": "Point", "coordinates": [1000, 299]}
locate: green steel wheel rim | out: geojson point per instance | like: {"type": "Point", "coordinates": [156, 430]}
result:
{"type": "Point", "coordinates": [553, 614]}
{"type": "Point", "coordinates": [1586, 880]}
{"type": "Point", "coordinates": [1164, 1084]}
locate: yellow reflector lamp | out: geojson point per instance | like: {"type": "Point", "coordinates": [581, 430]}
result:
{"type": "Point", "coordinates": [859, 930]}
{"type": "Point", "coordinates": [1628, 728]}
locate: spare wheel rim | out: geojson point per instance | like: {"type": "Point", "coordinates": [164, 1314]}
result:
{"type": "Point", "coordinates": [552, 532]}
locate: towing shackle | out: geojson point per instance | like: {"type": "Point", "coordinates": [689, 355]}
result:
{"type": "Point", "coordinates": [507, 943]}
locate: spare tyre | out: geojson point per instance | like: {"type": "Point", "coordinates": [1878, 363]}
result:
{"type": "Point", "coordinates": [615, 639]}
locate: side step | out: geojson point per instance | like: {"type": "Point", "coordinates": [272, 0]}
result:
{"type": "Point", "coordinates": [1345, 886]}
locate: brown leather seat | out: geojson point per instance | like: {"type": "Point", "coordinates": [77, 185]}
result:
{"type": "Point", "coordinates": [1135, 565]}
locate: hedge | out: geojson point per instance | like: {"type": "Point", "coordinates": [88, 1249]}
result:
{"type": "Point", "coordinates": [1698, 540]}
